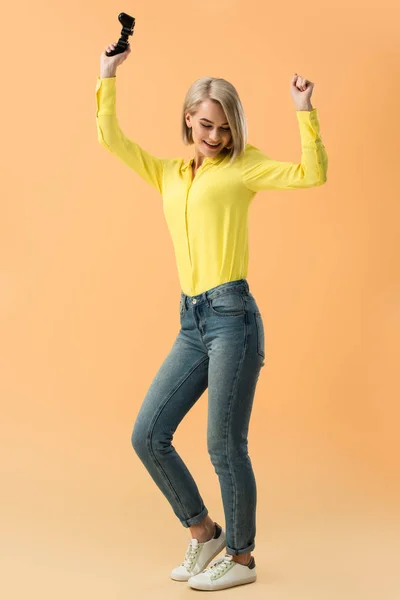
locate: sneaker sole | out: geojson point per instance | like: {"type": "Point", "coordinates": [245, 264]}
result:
{"type": "Point", "coordinates": [221, 586]}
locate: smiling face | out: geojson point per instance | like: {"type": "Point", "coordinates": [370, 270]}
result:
{"type": "Point", "coordinates": [209, 126]}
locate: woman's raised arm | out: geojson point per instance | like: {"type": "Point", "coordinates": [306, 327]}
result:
{"type": "Point", "coordinates": [109, 133]}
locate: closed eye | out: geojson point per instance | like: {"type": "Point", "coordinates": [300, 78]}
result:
{"type": "Point", "coordinates": [208, 127]}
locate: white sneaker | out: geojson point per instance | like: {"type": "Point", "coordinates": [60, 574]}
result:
{"type": "Point", "coordinates": [224, 573]}
{"type": "Point", "coordinates": [199, 554]}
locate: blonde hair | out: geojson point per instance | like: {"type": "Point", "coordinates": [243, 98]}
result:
{"type": "Point", "coordinates": [222, 91]}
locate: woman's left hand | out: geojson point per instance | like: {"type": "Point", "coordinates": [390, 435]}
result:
{"type": "Point", "coordinates": [301, 90]}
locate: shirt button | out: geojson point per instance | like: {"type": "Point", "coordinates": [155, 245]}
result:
{"type": "Point", "coordinates": [194, 301]}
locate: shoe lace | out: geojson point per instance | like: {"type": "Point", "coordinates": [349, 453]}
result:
{"type": "Point", "coordinates": [219, 566]}
{"type": "Point", "coordinates": [191, 554]}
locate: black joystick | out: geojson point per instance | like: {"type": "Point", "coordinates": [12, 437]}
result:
{"type": "Point", "coordinates": [128, 24]}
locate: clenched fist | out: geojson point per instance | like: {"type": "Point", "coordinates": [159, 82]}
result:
{"type": "Point", "coordinates": [109, 64]}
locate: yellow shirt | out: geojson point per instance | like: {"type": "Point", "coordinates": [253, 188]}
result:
{"type": "Point", "coordinates": [208, 218]}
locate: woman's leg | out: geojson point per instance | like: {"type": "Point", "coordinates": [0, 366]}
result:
{"type": "Point", "coordinates": [179, 383]}
{"type": "Point", "coordinates": [235, 340]}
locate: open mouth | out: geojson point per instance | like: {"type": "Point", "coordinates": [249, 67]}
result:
{"type": "Point", "coordinates": [212, 147]}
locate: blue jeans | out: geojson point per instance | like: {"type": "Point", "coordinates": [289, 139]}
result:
{"type": "Point", "coordinates": [220, 345]}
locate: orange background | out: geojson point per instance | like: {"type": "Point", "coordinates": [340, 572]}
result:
{"type": "Point", "coordinates": [89, 299]}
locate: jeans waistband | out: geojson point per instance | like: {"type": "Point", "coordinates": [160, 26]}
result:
{"type": "Point", "coordinates": [238, 284]}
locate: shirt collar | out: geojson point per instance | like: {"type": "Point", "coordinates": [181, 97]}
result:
{"type": "Point", "coordinates": [210, 159]}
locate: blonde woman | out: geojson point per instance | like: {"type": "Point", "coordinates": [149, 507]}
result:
{"type": "Point", "coordinates": [220, 344]}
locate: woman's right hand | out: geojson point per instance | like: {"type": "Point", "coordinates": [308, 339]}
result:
{"type": "Point", "coordinates": [109, 64]}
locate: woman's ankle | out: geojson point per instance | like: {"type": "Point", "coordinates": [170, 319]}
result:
{"type": "Point", "coordinates": [203, 531]}
{"type": "Point", "coordinates": [243, 559]}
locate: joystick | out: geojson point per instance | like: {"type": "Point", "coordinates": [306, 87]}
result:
{"type": "Point", "coordinates": [128, 24]}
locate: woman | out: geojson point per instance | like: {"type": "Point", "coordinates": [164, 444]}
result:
{"type": "Point", "coordinates": [220, 345]}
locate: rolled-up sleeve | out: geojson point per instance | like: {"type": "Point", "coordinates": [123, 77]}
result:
{"type": "Point", "coordinates": [109, 134]}
{"type": "Point", "coordinates": [260, 172]}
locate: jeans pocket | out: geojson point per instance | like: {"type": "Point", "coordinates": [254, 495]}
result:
{"type": "Point", "coordinates": [228, 304]}
{"type": "Point", "coordinates": [260, 334]}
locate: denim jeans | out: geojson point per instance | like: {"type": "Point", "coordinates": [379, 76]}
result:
{"type": "Point", "coordinates": [220, 346]}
